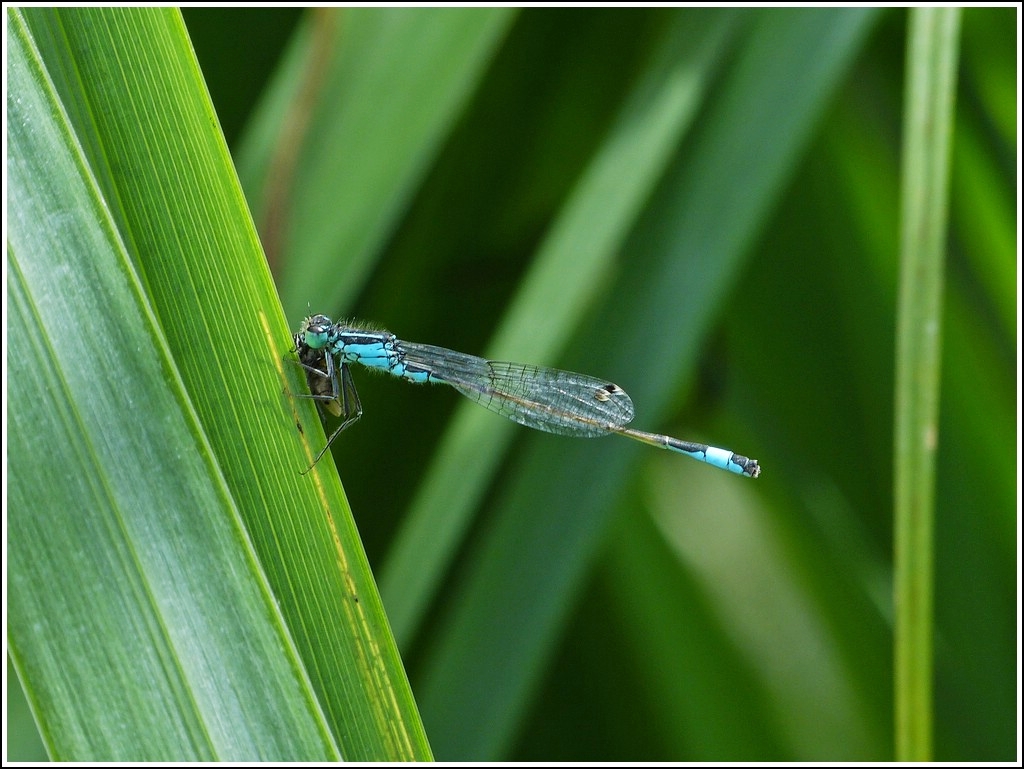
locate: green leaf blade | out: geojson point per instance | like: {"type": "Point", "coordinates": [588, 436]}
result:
{"type": "Point", "coordinates": [94, 551]}
{"type": "Point", "coordinates": [932, 55]}
{"type": "Point", "coordinates": [267, 623]}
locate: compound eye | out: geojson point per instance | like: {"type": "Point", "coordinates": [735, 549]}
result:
{"type": "Point", "coordinates": [319, 324]}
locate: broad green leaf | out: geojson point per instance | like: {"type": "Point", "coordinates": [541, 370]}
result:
{"type": "Point", "coordinates": [177, 589]}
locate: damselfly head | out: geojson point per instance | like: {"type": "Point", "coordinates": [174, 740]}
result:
{"type": "Point", "coordinates": [314, 331]}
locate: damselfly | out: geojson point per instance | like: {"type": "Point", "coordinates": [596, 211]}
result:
{"type": "Point", "coordinates": [546, 399]}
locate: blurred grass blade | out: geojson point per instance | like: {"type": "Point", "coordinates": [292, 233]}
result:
{"type": "Point", "coordinates": [177, 590]}
{"type": "Point", "coordinates": [686, 252]}
{"type": "Point", "coordinates": [570, 268]}
{"type": "Point", "coordinates": [427, 63]}
{"type": "Point", "coordinates": [932, 55]}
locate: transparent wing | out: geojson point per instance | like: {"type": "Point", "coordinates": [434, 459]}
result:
{"type": "Point", "coordinates": [546, 399]}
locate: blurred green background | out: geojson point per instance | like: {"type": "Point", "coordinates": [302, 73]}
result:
{"type": "Point", "coordinates": [703, 207]}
